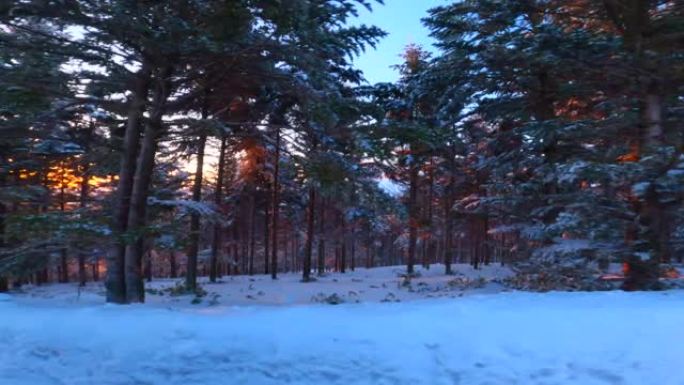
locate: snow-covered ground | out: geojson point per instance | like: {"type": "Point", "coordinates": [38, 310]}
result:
{"type": "Point", "coordinates": [481, 338]}
{"type": "Point", "coordinates": [382, 284]}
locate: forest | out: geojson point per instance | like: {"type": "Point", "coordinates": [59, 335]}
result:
{"type": "Point", "coordinates": [186, 186]}
{"type": "Point", "coordinates": [213, 138]}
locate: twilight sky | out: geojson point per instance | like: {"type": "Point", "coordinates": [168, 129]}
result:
{"type": "Point", "coordinates": [401, 20]}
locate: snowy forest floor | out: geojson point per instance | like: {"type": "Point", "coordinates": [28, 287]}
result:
{"type": "Point", "coordinates": [49, 336]}
{"type": "Point", "coordinates": [381, 284]}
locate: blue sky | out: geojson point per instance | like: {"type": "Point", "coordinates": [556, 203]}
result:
{"type": "Point", "coordinates": [401, 20]}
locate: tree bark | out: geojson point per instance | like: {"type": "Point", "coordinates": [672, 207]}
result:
{"type": "Point", "coordinates": [343, 256]}
{"type": "Point", "coordinates": [194, 236]}
{"type": "Point", "coordinates": [173, 264]}
{"type": "Point", "coordinates": [218, 201]}
{"type": "Point", "coordinates": [4, 282]}
{"type": "Point", "coordinates": [3, 213]}
{"type": "Point", "coordinates": [352, 257]}
{"type": "Point", "coordinates": [448, 236]}
{"type": "Point", "coordinates": [148, 266]}
{"type": "Point", "coordinates": [276, 198]}
{"type": "Point", "coordinates": [83, 199]}
{"type": "Point", "coordinates": [369, 254]}
{"type": "Point", "coordinates": [308, 248]}
{"type": "Point", "coordinates": [430, 249]}
{"type": "Point", "coordinates": [321, 238]}
{"type": "Point", "coordinates": [236, 257]}
{"type": "Point", "coordinates": [267, 217]}
{"type": "Point", "coordinates": [252, 232]}
{"type": "Point", "coordinates": [96, 269]}
{"type": "Point", "coordinates": [448, 220]}
{"type": "Point", "coordinates": [115, 279]}
{"type": "Point", "coordinates": [135, 288]}
{"type": "Point", "coordinates": [413, 216]}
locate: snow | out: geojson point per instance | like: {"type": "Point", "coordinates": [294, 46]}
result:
{"type": "Point", "coordinates": [507, 338]}
{"type": "Point", "coordinates": [485, 337]}
{"type": "Point", "coordinates": [381, 284]}
{"type": "Point", "coordinates": [390, 187]}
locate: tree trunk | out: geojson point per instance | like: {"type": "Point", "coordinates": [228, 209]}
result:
{"type": "Point", "coordinates": [194, 236]}
{"type": "Point", "coordinates": [115, 279]}
{"type": "Point", "coordinates": [267, 217]}
{"type": "Point", "coordinates": [83, 199]}
{"type": "Point", "coordinates": [276, 190]}
{"type": "Point", "coordinates": [413, 217]}
{"type": "Point", "coordinates": [448, 238]}
{"type": "Point", "coordinates": [3, 212]}
{"type": "Point", "coordinates": [369, 254]}
{"type": "Point", "coordinates": [64, 266]}
{"type": "Point", "coordinates": [148, 266]}
{"type": "Point", "coordinates": [236, 255]}
{"type": "Point", "coordinates": [96, 269]}
{"type": "Point", "coordinates": [135, 288]}
{"type": "Point", "coordinates": [218, 201]}
{"type": "Point", "coordinates": [252, 232]}
{"type": "Point", "coordinates": [343, 243]}
{"type": "Point", "coordinates": [173, 264]}
{"type": "Point", "coordinates": [448, 220]}
{"type": "Point", "coordinates": [321, 238]}
{"type": "Point", "coordinates": [343, 256]}
{"type": "Point", "coordinates": [352, 257]}
{"type": "Point", "coordinates": [82, 277]}
{"type": "Point", "coordinates": [430, 248]}
{"type": "Point", "coordinates": [295, 250]}
{"type": "Point", "coordinates": [4, 282]}
{"type": "Point", "coordinates": [308, 248]}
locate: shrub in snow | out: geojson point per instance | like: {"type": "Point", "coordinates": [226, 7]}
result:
{"type": "Point", "coordinates": [565, 266]}
{"type": "Point", "coordinates": [464, 283]}
{"type": "Point", "coordinates": [332, 299]}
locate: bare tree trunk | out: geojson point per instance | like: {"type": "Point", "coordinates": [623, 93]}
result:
{"type": "Point", "coordinates": [430, 239]}
{"type": "Point", "coordinates": [115, 280]}
{"type": "Point", "coordinates": [173, 264]}
{"type": "Point", "coordinates": [135, 288]}
{"type": "Point", "coordinates": [148, 266]}
{"type": "Point", "coordinates": [244, 240]}
{"type": "Point", "coordinates": [64, 264]}
{"type": "Point", "coordinates": [352, 258]}
{"type": "Point", "coordinates": [4, 282]}
{"type": "Point", "coordinates": [655, 214]}
{"type": "Point", "coordinates": [295, 250]}
{"type": "Point", "coordinates": [448, 238]}
{"type": "Point", "coordinates": [448, 220]}
{"type": "Point", "coordinates": [236, 256]}
{"type": "Point", "coordinates": [485, 241]}
{"type": "Point", "coordinates": [252, 232]}
{"type": "Point", "coordinates": [96, 269]}
{"type": "Point", "coordinates": [267, 217]}
{"type": "Point", "coordinates": [369, 255]}
{"type": "Point", "coordinates": [321, 238]}
{"type": "Point", "coordinates": [343, 242]}
{"type": "Point", "coordinates": [83, 199]}
{"type": "Point", "coordinates": [413, 217]}
{"type": "Point", "coordinates": [276, 203]}
{"type": "Point", "coordinates": [194, 236]}
{"type": "Point", "coordinates": [218, 200]}
{"type": "Point", "coordinates": [343, 256]}
{"type": "Point", "coordinates": [4, 286]}
{"type": "Point", "coordinates": [308, 248]}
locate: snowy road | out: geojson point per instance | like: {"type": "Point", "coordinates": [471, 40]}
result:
{"type": "Point", "coordinates": [508, 338]}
